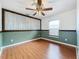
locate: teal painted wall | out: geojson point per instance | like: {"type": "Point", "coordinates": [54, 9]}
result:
{"type": "Point", "coordinates": [0, 40]}
{"type": "Point", "coordinates": [69, 37]}
{"type": "Point", "coordinates": [78, 43]}
{"type": "Point", "coordinates": [19, 36]}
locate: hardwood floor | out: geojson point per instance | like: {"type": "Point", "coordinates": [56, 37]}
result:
{"type": "Point", "coordinates": [39, 49]}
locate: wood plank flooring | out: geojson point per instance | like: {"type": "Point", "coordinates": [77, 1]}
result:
{"type": "Point", "coordinates": [39, 49]}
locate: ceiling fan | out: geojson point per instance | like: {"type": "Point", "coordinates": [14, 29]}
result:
{"type": "Point", "coordinates": [39, 8]}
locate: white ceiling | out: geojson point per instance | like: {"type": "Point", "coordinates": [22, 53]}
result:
{"type": "Point", "coordinates": [58, 6]}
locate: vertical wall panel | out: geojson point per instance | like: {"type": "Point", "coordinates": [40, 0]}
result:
{"type": "Point", "coordinates": [18, 22]}
{"type": "Point", "coordinates": [0, 18]}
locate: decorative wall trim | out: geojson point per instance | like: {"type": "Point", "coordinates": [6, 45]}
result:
{"type": "Point", "coordinates": [38, 39]}
{"type": "Point", "coordinates": [42, 39]}
{"type": "Point", "coordinates": [62, 30]}
{"type": "Point", "coordinates": [3, 10]}
{"type": "Point", "coordinates": [3, 20]}
{"type": "Point", "coordinates": [16, 44]}
{"type": "Point", "coordinates": [1, 50]}
{"type": "Point", "coordinates": [18, 30]}
{"type": "Point", "coordinates": [19, 43]}
{"type": "Point", "coordinates": [68, 30]}
{"type": "Point", "coordinates": [44, 30]}
{"type": "Point", "coordinates": [66, 44]}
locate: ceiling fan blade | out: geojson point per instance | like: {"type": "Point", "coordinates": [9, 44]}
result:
{"type": "Point", "coordinates": [42, 13]}
{"type": "Point", "coordinates": [29, 9]}
{"type": "Point", "coordinates": [47, 9]}
{"type": "Point", "coordinates": [34, 13]}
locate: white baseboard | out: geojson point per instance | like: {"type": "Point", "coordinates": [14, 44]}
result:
{"type": "Point", "coordinates": [37, 39]}
{"type": "Point", "coordinates": [34, 40]}
{"type": "Point", "coordinates": [59, 42]}
{"type": "Point", "coordinates": [1, 51]}
{"type": "Point", "coordinates": [19, 43]}
{"type": "Point", "coordinates": [16, 44]}
{"type": "Point", "coordinates": [77, 52]}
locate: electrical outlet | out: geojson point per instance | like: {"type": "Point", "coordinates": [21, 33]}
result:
{"type": "Point", "coordinates": [66, 39]}
{"type": "Point", "coordinates": [12, 40]}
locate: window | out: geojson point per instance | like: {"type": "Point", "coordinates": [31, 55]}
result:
{"type": "Point", "coordinates": [54, 27]}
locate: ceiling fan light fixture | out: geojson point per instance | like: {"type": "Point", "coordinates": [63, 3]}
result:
{"type": "Point", "coordinates": [39, 8]}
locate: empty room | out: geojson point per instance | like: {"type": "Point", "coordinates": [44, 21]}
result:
{"type": "Point", "coordinates": [39, 29]}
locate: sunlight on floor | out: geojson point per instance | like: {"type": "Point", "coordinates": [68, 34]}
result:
{"type": "Point", "coordinates": [53, 52]}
